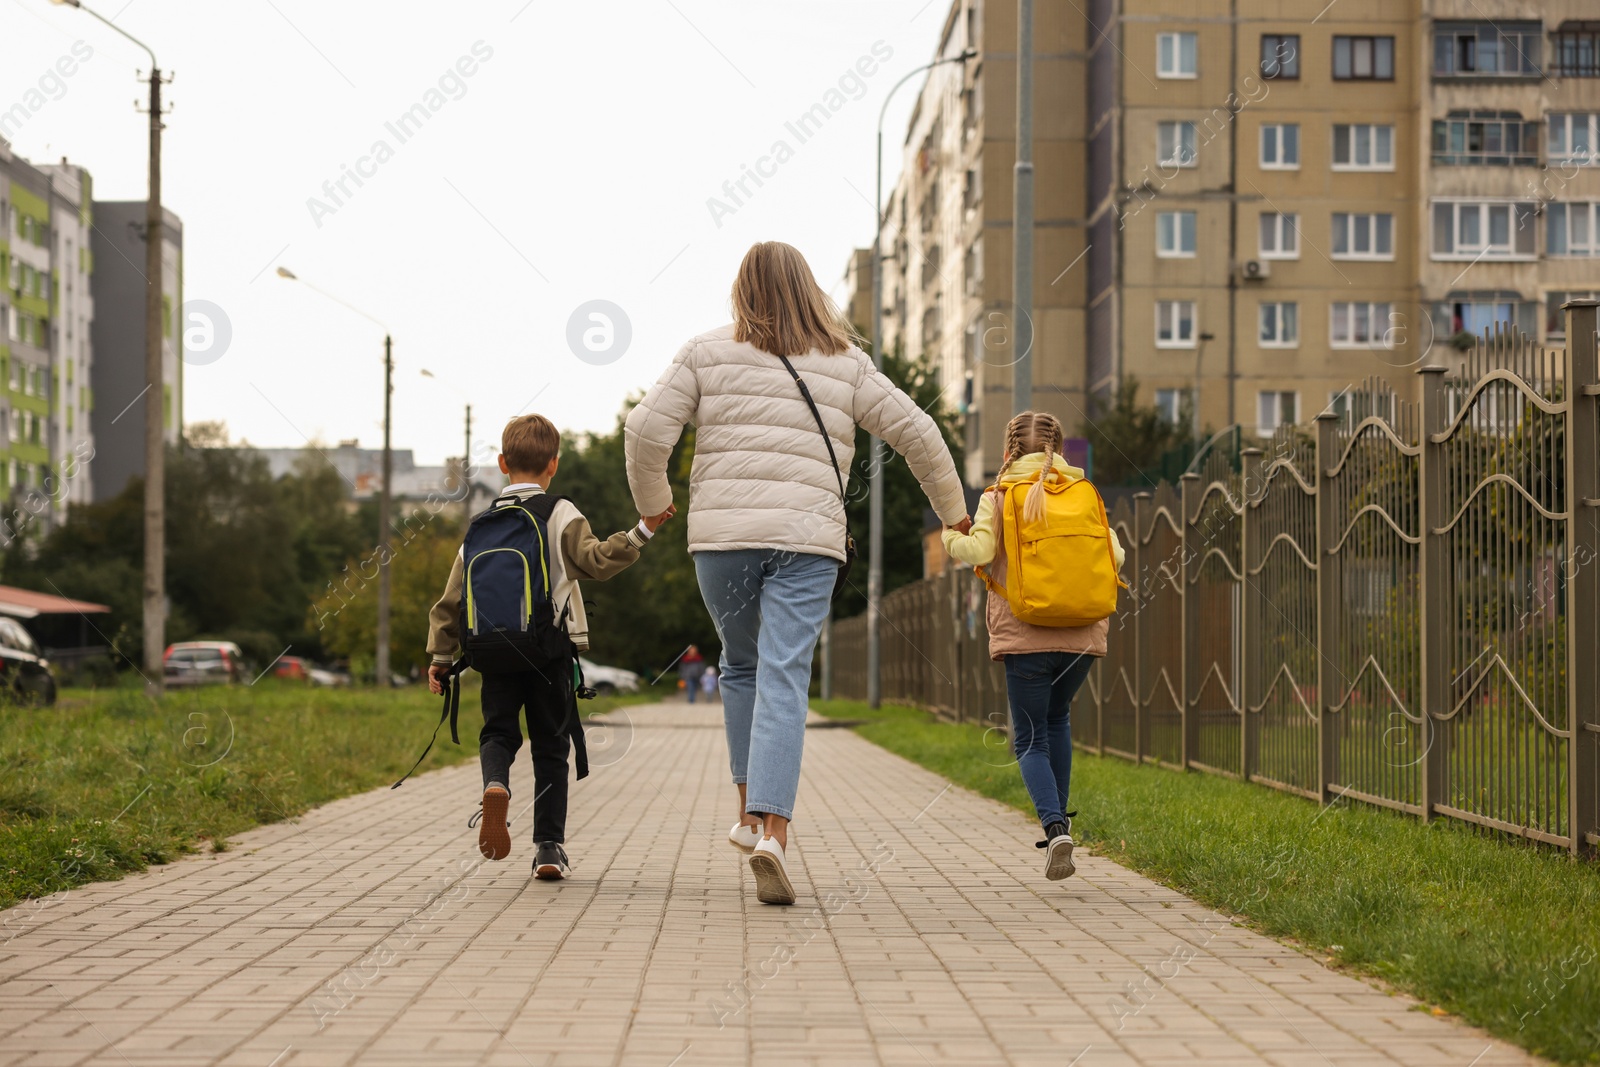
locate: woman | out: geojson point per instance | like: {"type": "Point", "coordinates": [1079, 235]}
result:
{"type": "Point", "coordinates": [766, 510]}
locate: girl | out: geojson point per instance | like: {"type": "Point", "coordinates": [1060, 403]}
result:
{"type": "Point", "coordinates": [1045, 665]}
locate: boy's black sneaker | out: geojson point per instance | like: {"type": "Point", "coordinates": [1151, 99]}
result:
{"type": "Point", "coordinates": [550, 864]}
{"type": "Point", "coordinates": [1058, 845]}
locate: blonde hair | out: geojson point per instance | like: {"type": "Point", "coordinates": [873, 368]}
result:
{"type": "Point", "coordinates": [779, 308]}
{"type": "Point", "coordinates": [529, 443]}
{"type": "Point", "coordinates": [1028, 432]}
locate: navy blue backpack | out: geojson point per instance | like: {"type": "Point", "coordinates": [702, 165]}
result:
{"type": "Point", "coordinates": [508, 621]}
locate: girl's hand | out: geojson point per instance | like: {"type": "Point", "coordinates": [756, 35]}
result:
{"type": "Point", "coordinates": [652, 522]}
{"type": "Point", "coordinates": [962, 527]}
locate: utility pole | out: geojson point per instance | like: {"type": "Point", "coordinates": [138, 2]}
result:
{"type": "Point", "coordinates": [384, 519]}
{"type": "Point", "coordinates": [155, 397]}
{"type": "Point", "coordinates": [1022, 219]}
{"type": "Point", "coordinates": [466, 464]}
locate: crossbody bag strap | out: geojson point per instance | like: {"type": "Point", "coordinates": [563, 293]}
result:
{"type": "Point", "coordinates": [827, 438]}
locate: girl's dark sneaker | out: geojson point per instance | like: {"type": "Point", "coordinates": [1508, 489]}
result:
{"type": "Point", "coordinates": [494, 832]}
{"type": "Point", "coordinates": [1058, 845]}
{"type": "Point", "coordinates": [550, 863]}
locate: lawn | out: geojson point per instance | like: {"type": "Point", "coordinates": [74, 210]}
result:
{"type": "Point", "coordinates": [1503, 933]}
{"type": "Point", "coordinates": [109, 782]}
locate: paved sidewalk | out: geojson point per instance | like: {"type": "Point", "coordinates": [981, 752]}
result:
{"type": "Point", "coordinates": [370, 932]}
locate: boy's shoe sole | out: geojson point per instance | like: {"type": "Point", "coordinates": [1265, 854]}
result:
{"type": "Point", "coordinates": [494, 836]}
{"type": "Point", "coordinates": [772, 881]}
{"type": "Point", "coordinates": [1058, 859]}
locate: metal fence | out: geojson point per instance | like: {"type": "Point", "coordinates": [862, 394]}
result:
{"type": "Point", "coordinates": [1401, 608]}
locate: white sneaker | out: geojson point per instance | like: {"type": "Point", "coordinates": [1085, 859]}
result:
{"type": "Point", "coordinates": [744, 838]}
{"type": "Point", "coordinates": [1058, 858]}
{"type": "Point", "coordinates": [772, 877]}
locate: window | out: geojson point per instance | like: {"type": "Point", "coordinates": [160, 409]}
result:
{"type": "Point", "coordinates": [1570, 137]}
{"type": "Point", "coordinates": [1280, 55]}
{"type": "Point", "coordinates": [1175, 234]}
{"type": "Point", "coordinates": [1486, 138]}
{"type": "Point", "coordinates": [1575, 50]}
{"type": "Point", "coordinates": [1570, 230]}
{"type": "Point", "coordinates": [1279, 235]}
{"type": "Point", "coordinates": [1475, 312]}
{"type": "Point", "coordinates": [1555, 320]}
{"type": "Point", "coordinates": [1485, 49]}
{"type": "Point", "coordinates": [1274, 409]}
{"type": "Point", "coordinates": [1360, 404]}
{"type": "Point", "coordinates": [1363, 236]}
{"type": "Point", "coordinates": [1175, 144]}
{"type": "Point", "coordinates": [1175, 55]}
{"type": "Point", "coordinates": [1171, 403]}
{"type": "Point", "coordinates": [1359, 324]}
{"type": "Point", "coordinates": [1175, 324]}
{"type": "Point", "coordinates": [1280, 146]}
{"type": "Point", "coordinates": [1279, 325]}
{"type": "Point", "coordinates": [1474, 230]}
{"type": "Point", "coordinates": [1363, 147]}
{"type": "Point", "coordinates": [1363, 59]}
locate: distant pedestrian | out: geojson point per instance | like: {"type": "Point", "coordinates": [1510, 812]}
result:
{"type": "Point", "coordinates": [1045, 665]}
{"type": "Point", "coordinates": [775, 398]}
{"type": "Point", "coordinates": [691, 665]}
{"type": "Point", "coordinates": [708, 682]}
{"type": "Point", "coordinates": [538, 681]}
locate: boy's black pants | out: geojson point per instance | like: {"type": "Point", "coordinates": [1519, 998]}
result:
{"type": "Point", "coordinates": [546, 697]}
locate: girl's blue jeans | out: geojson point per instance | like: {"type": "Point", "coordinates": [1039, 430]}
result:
{"type": "Point", "coordinates": [1040, 687]}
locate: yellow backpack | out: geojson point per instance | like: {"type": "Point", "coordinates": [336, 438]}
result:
{"type": "Point", "coordinates": [1061, 569]}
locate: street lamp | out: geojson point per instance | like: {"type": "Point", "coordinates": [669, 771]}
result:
{"type": "Point", "coordinates": [155, 533]}
{"type": "Point", "coordinates": [875, 462]}
{"type": "Point", "coordinates": [384, 497]}
{"type": "Point", "coordinates": [466, 455]}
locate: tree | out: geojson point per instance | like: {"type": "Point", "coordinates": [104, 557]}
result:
{"type": "Point", "coordinates": [1128, 438]}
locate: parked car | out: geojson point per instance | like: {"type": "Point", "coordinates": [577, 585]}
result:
{"type": "Point", "coordinates": [292, 669]}
{"type": "Point", "coordinates": [608, 679]}
{"type": "Point", "coordinates": [204, 663]}
{"type": "Point", "coordinates": [323, 676]}
{"type": "Point", "coordinates": [23, 669]}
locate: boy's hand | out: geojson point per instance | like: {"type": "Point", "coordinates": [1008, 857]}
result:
{"type": "Point", "coordinates": [652, 522]}
{"type": "Point", "coordinates": [435, 675]}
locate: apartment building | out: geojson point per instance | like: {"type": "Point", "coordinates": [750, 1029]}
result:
{"type": "Point", "coordinates": [46, 354]}
{"type": "Point", "coordinates": [946, 231]}
{"type": "Point", "coordinates": [119, 340]}
{"type": "Point", "coordinates": [1248, 205]}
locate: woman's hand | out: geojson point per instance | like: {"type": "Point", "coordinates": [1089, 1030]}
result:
{"type": "Point", "coordinates": [962, 527]}
{"type": "Point", "coordinates": [652, 522]}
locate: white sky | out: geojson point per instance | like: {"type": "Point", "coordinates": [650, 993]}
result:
{"type": "Point", "coordinates": [589, 142]}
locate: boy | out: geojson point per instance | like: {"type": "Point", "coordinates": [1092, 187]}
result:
{"type": "Point", "coordinates": [529, 456]}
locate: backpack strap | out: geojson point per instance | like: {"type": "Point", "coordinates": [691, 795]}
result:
{"type": "Point", "coordinates": [451, 711]}
{"type": "Point", "coordinates": [827, 438]}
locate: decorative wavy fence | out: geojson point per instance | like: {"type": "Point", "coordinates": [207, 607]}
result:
{"type": "Point", "coordinates": [1400, 607]}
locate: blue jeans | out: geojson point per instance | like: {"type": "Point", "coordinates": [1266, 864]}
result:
{"type": "Point", "coordinates": [1040, 687]}
{"type": "Point", "coordinates": [768, 606]}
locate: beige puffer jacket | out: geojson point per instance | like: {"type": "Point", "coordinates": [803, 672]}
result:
{"type": "Point", "coordinates": [761, 475]}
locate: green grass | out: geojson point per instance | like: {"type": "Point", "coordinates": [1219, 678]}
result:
{"type": "Point", "coordinates": [109, 782]}
{"type": "Point", "coordinates": [1503, 933]}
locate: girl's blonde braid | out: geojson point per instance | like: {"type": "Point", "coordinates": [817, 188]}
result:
{"type": "Point", "coordinates": [1044, 435]}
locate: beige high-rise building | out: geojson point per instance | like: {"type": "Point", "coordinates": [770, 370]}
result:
{"type": "Point", "coordinates": [1255, 203]}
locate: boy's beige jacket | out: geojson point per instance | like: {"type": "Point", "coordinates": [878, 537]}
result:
{"type": "Point", "coordinates": [761, 475]}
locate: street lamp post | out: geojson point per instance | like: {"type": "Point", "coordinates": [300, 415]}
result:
{"type": "Point", "coordinates": [155, 533]}
{"type": "Point", "coordinates": [385, 494]}
{"type": "Point", "coordinates": [875, 461]}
